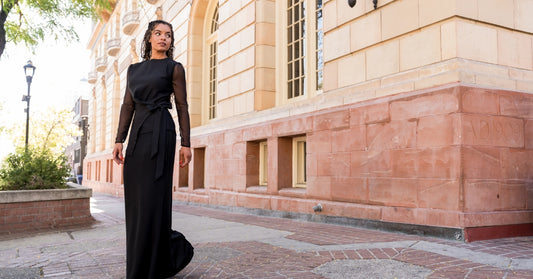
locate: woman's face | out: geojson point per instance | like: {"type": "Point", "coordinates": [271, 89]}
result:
{"type": "Point", "coordinates": [161, 38]}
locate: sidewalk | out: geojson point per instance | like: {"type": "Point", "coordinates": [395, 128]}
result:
{"type": "Point", "coordinates": [232, 245]}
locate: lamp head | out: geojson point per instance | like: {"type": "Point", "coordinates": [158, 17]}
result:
{"type": "Point", "coordinates": [29, 70]}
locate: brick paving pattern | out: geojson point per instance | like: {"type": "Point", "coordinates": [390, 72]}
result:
{"type": "Point", "coordinates": [516, 248]}
{"type": "Point", "coordinates": [99, 251]}
{"type": "Point", "coordinates": [258, 260]}
{"type": "Point", "coordinates": [315, 233]}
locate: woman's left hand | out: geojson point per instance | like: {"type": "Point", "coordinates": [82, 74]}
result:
{"type": "Point", "coordinates": [185, 156]}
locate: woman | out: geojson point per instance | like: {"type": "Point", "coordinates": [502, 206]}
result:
{"type": "Point", "coordinates": [153, 250]}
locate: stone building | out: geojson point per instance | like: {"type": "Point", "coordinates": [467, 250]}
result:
{"type": "Point", "coordinates": [77, 151]}
{"type": "Point", "coordinates": [394, 114]}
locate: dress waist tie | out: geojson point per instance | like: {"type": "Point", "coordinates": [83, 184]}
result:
{"type": "Point", "coordinates": [159, 139]}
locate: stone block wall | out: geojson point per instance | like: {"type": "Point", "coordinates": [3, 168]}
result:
{"type": "Point", "coordinates": [454, 157]}
{"type": "Point", "coordinates": [103, 175]}
{"type": "Point", "coordinates": [408, 45]}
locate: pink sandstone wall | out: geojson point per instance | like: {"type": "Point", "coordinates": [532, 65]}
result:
{"type": "Point", "coordinates": [453, 156]}
{"type": "Point", "coordinates": [98, 176]}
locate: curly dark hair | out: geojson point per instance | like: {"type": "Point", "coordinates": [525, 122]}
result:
{"type": "Point", "coordinates": [146, 47]}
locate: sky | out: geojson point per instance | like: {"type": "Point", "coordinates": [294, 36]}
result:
{"type": "Point", "coordinates": [59, 79]}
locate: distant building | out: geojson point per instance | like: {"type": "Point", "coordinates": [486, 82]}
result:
{"type": "Point", "coordinates": [77, 151]}
{"type": "Point", "coordinates": [403, 114]}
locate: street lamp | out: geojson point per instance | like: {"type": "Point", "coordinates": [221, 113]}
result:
{"type": "Point", "coordinates": [29, 70]}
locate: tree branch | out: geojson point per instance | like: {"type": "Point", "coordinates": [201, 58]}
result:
{"type": "Point", "coordinates": [54, 123]}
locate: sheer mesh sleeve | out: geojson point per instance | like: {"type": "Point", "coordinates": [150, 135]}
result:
{"type": "Point", "coordinates": [182, 108]}
{"type": "Point", "coordinates": [126, 114]}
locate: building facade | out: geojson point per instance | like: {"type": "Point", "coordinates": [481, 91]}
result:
{"type": "Point", "coordinates": [395, 113]}
{"type": "Point", "coordinates": [77, 151]}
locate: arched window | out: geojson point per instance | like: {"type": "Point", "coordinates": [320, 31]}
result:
{"type": "Point", "coordinates": [211, 45]}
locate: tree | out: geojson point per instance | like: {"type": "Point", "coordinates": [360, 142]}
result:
{"type": "Point", "coordinates": [43, 165]}
{"type": "Point", "coordinates": [29, 21]}
{"type": "Point", "coordinates": [50, 130]}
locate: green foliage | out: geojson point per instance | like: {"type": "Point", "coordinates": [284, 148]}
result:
{"type": "Point", "coordinates": [30, 21]}
{"type": "Point", "coordinates": [51, 130]}
{"type": "Point", "coordinates": [33, 170]}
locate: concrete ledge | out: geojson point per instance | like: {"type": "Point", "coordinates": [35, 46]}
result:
{"type": "Point", "coordinates": [74, 192]}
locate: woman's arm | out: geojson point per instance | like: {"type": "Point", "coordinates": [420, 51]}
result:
{"type": "Point", "coordinates": [182, 108]}
{"type": "Point", "coordinates": [126, 114]}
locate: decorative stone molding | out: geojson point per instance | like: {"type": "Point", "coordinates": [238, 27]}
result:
{"type": "Point", "coordinates": [130, 22]}
{"type": "Point", "coordinates": [101, 63]}
{"type": "Point", "coordinates": [113, 46]}
{"type": "Point", "coordinates": [91, 77]}
{"type": "Point", "coordinates": [133, 51]}
{"type": "Point", "coordinates": [159, 13]}
{"type": "Point", "coordinates": [152, 2]}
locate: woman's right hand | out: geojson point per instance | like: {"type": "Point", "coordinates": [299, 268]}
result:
{"type": "Point", "coordinates": [117, 154]}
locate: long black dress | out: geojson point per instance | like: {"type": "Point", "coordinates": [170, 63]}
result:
{"type": "Point", "coordinates": [148, 167]}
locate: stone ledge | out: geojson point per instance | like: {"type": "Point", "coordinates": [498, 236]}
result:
{"type": "Point", "coordinates": [74, 192]}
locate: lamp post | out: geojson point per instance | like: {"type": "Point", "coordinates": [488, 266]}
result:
{"type": "Point", "coordinates": [29, 70]}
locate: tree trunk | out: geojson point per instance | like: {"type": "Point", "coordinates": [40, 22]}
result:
{"type": "Point", "coordinates": [4, 11]}
{"type": "Point", "coordinates": [3, 17]}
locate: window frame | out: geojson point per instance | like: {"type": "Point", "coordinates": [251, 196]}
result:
{"type": "Point", "coordinates": [263, 163]}
{"type": "Point", "coordinates": [210, 37]}
{"type": "Point", "coordinates": [299, 162]}
{"type": "Point", "coordinates": [315, 49]}
{"type": "Point", "coordinates": [310, 52]}
{"type": "Point", "coordinates": [109, 171]}
{"type": "Point", "coordinates": [87, 173]}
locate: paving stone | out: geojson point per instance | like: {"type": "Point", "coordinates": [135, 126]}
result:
{"type": "Point", "coordinates": [237, 245]}
{"type": "Point", "coordinates": [18, 273]}
{"type": "Point", "coordinates": [364, 269]}
{"type": "Point", "coordinates": [213, 254]}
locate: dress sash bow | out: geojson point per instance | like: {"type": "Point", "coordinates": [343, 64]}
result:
{"type": "Point", "coordinates": [158, 134]}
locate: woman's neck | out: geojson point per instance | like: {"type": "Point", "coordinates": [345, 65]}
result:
{"type": "Point", "coordinates": [158, 55]}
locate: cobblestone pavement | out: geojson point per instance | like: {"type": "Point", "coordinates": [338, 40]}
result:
{"type": "Point", "coordinates": [235, 245]}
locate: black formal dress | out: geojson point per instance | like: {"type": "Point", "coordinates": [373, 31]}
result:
{"type": "Point", "coordinates": [153, 250]}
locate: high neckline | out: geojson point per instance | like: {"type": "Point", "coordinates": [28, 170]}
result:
{"type": "Point", "coordinates": [157, 59]}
